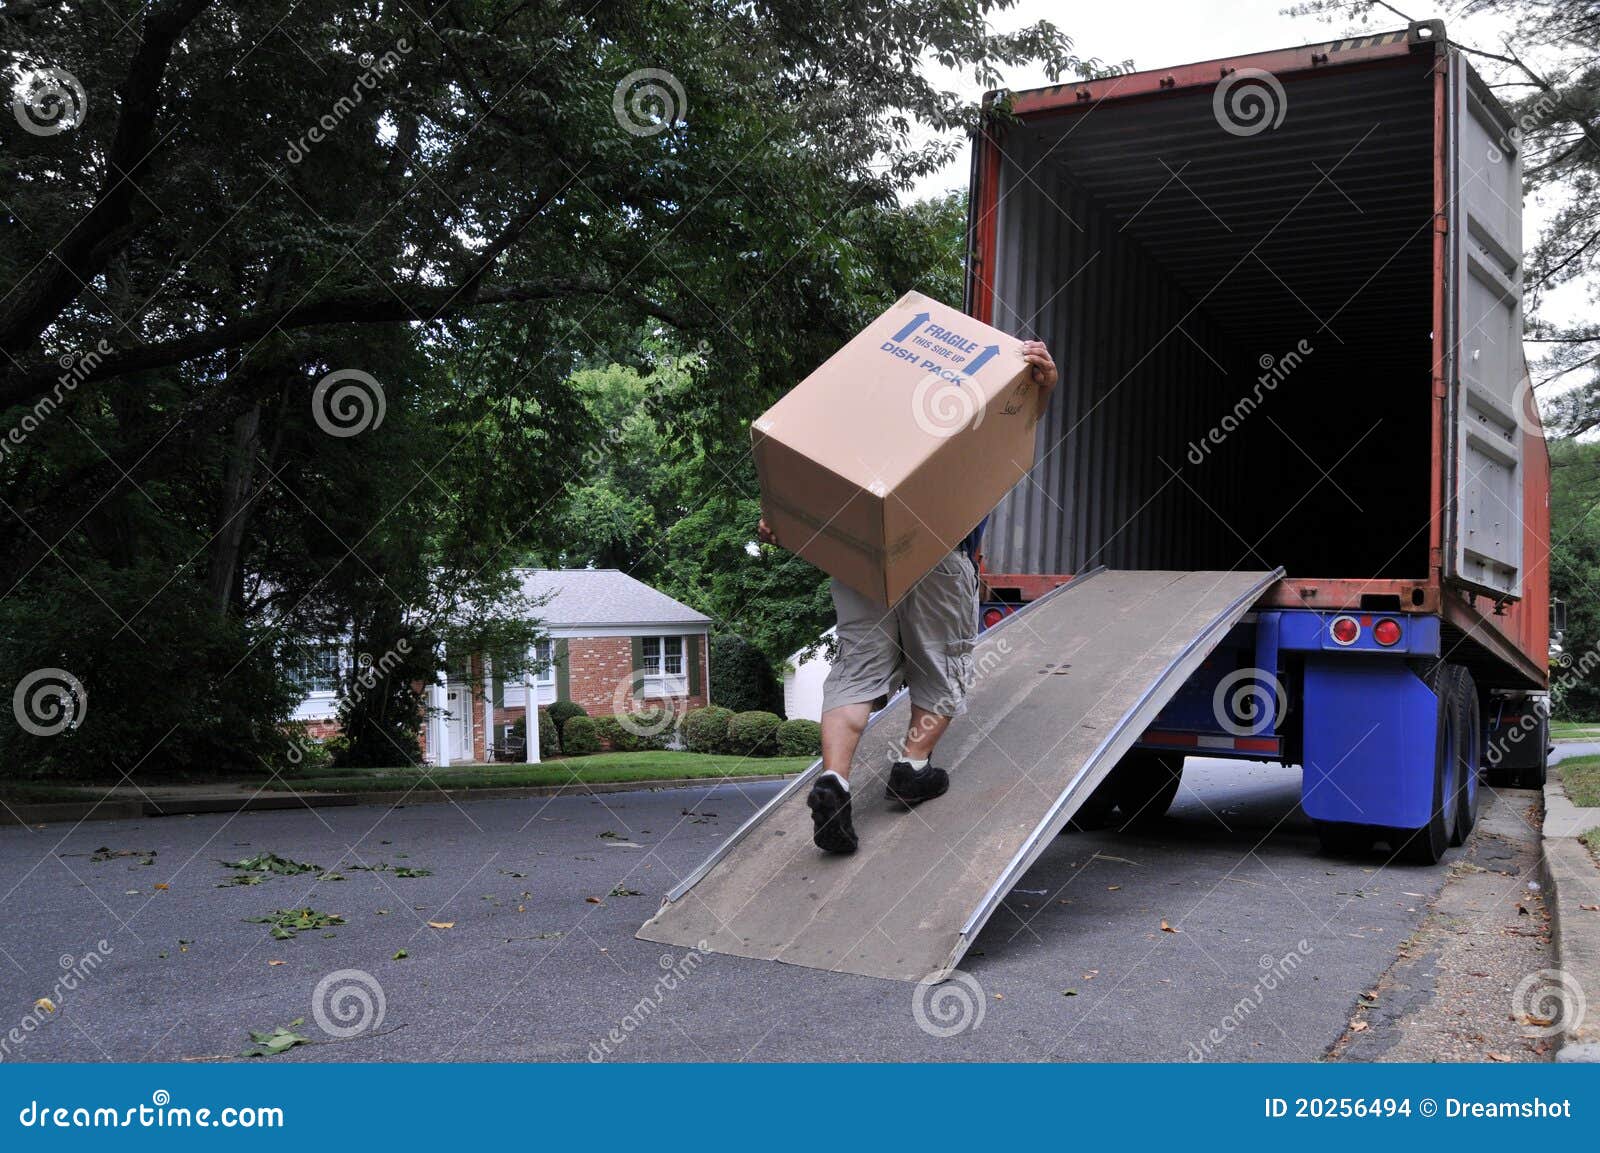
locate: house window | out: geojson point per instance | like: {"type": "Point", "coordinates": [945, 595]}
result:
{"type": "Point", "coordinates": [544, 666]}
{"type": "Point", "coordinates": [315, 669]}
{"type": "Point", "coordinates": [663, 656]}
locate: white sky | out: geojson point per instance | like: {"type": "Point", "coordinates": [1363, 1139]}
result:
{"type": "Point", "coordinates": [1160, 33]}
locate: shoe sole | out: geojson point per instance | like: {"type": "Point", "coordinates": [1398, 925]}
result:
{"type": "Point", "coordinates": [824, 833]}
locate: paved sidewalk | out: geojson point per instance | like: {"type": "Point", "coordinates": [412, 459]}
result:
{"type": "Point", "coordinates": [1574, 898]}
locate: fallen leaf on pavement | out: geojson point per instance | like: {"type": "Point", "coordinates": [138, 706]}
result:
{"type": "Point", "coordinates": [1166, 928]}
{"type": "Point", "coordinates": [277, 962]}
{"type": "Point", "coordinates": [1113, 887]}
{"type": "Point", "coordinates": [1069, 992]}
{"type": "Point", "coordinates": [441, 924]}
{"type": "Point", "coordinates": [593, 900]}
{"type": "Point", "coordinates": [1358, 1026]}
{"type": "Point", "coordinates": [401, 955]}
{"type": "Point", "coordinates": [46, 1004]}
{"type": "Point", "coordinates": [162, 885]}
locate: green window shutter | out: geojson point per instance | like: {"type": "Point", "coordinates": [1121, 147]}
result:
{"type": "Point", "coordinates": [691, 656]}
{"type": "Point", "coordinates": [563, 676]}
{"type": "Point", "coordinates": [638, 653]}
{"type": "Point", "coordinates": [497, 671]}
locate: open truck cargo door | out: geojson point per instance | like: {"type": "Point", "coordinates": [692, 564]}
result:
{"type": "Point", "coordinates": [1484, 477]}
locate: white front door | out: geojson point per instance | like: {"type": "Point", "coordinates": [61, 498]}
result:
{"type": "Point", "coordinates": [458, 722]}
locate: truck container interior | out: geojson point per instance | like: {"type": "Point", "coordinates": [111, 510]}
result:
{"type": "Point", "coordinates": [1243, 324]}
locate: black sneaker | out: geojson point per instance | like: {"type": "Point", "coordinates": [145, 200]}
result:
{"type": "Point", "coordinates": [913, 786]}
{"type": "Point", "coordinates": [831, 827]}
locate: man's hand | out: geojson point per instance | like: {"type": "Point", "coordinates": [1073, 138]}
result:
{"type": "Point", "coordinates": [1044, 370]}
{"type": "Point", "coordinates": [765, 533]}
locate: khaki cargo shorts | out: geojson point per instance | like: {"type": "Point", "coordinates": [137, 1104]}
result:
{"type": "Point", "coordinates": [924, 642]}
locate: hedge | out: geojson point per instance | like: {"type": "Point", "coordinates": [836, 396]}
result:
{"type": "Point", "coordinates": [706, 730]}
{"type": "Point", "coordinates": [563, 711]}
{"type": "Point", "coordinates": [798, 738]}
{"type": "Point", "coordinates": [578, 737]}
{"type": "Point", "coordinates": [620, 735]}
{"type": "Point", "coordinates": [742, 678]}
{"type": "Point", "coordinates": [753, 734]}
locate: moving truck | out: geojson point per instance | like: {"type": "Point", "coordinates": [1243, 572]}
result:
{"type": "Point", "coordinates": [1284, 291]}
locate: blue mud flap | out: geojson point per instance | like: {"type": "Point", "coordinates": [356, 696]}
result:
{"type": "Point", "coordinates": [1370, 733]}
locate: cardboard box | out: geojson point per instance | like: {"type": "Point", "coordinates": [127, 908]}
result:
{"type": "Point", "coordinates": [880, 462]}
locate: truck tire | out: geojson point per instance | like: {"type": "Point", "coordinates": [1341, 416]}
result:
{"type": "Point", "coordinates": [1469, 751]}
{"type": "Point", "coordinates": [1425, 846]}
{"type": "Point", "coordinates": [1146, 784]}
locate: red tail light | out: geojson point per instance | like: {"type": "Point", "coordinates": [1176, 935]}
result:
{"type": "Point", "coordinates": [1344, 630]}
{"type": "Point", "coordinates": [1386, 632]}
{"type": "Point", "coordinates": [992, 617]}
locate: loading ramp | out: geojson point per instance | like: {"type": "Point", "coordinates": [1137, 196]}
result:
{"type": "Point", "coordinates": [1063, 689]}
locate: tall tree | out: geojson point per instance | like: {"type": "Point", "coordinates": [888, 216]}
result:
{"type": "Point", "coordinates": [291, 293]}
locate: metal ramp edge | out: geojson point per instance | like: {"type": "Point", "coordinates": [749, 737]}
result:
{"type": "Point", "coordinates": [1148, 632]}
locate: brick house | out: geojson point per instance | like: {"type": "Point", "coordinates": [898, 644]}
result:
{"type": "Point", "coordinates": [607, 633]}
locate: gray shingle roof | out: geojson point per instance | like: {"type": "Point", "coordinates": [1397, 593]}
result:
{"type": "Point", "coordinates": [607, 598]}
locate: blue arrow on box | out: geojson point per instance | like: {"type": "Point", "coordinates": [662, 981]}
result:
{"type": "Point", "coordinates": [915, 323]}
{"type": "Point", "coordinates": [990, 351]}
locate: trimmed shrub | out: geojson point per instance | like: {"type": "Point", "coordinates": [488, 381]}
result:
{"type": "Point", "coordinates": [798, 738]}
{"type": "Point", "coordinates": [616, 735]}
{"type": "Point", "coordinates": [754, 734]}
{"type": "Point", "coordinates": [578, 738]}
{"type": "Point", "coordinates": [706, 730]}
{"type": "Point", "coordinates": [742, 679]}
{"type": "Point", "coordinates": [549, 741]}
{"type": "Point", "coordinates": [563, 711]}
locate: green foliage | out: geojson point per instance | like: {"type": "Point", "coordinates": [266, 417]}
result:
{"type": "Point", "coordinates": [1575, 574]}
{"type": "Point", "coordinates": [471, 227]}
{"type": "Point", "coordinates": [549, 742]}
{"type": "Point", "coordinates": [741, 676]}
{"type": "Point", "coordinates": [560, 712]}
{"type": "Point", "coordinates": [579, 738]}
{"type": "Point", "coordinates": [799, 738]}
{"type": "Point", "coordinates": [754, 734]}
{"type": "Point", "coordinates": [706, 730]}
{"type": "Point", "coordinates": [621, 734]}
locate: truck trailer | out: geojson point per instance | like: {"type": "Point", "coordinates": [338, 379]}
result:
{"type": "Point", "coordinates": [1284, 291]}
{"type": "Point", "coordinates": [1288, 502]}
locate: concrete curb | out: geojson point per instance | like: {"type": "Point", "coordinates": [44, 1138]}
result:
{"type": "Point", "coordinates": [57, 812]}
{"type": "Point", "coordinates": [1571, 879]}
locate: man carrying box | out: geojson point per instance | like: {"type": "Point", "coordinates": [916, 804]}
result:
{"type": "Point", "coordinates": [924, 641]}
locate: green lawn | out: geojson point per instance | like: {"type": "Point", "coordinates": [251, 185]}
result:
{"type": "Point", "coordinates": [1575, 730]}
{"type": "Point", "coordinates": [598, 769]}
{"type": "Point", "coordinates": [26, 792]}
{"type": "Point", "coordinates": [1581, 778]}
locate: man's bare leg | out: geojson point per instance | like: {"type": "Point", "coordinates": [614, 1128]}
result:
{"type": "Point", "coordinates": [841, 733]}
{"type": "Point", "coordinates": [923, 734]}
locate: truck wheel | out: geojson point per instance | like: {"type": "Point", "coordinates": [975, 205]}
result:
{"type": "Point", "coordinates": [1342, 840]}
{"type": "Point", "coordinates": [1146, 785]}
{"type": "Point", "coordinates": [1426, 845]}
{"type": "Point", "coordinates": [1469, 751]}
